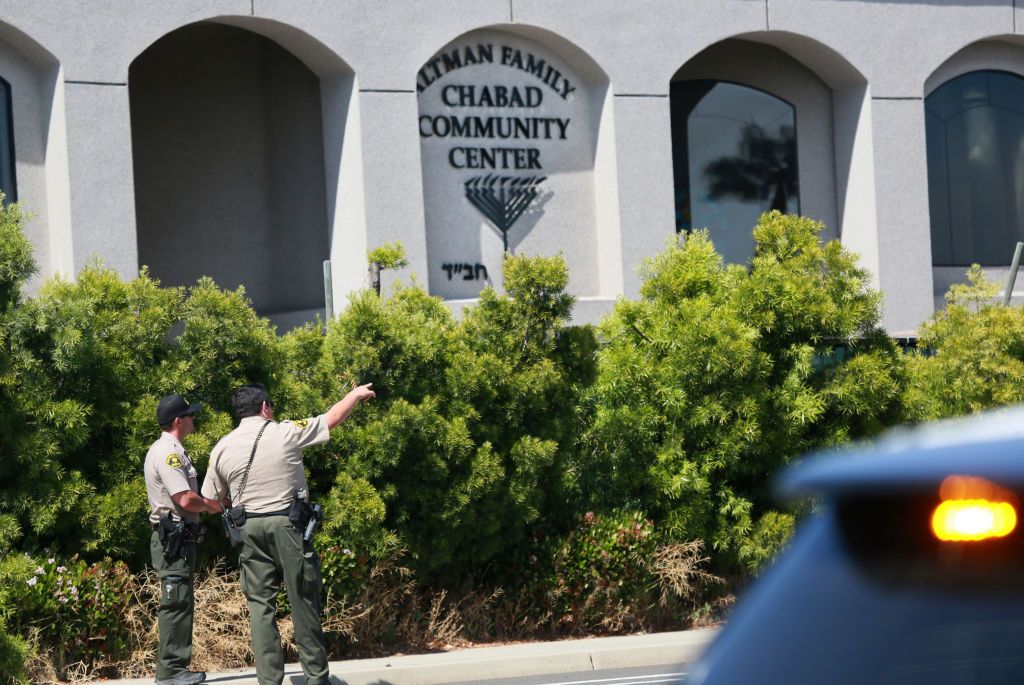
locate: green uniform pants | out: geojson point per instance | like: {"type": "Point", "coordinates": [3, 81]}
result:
{"type": "Point", "coordinates": [273, 552]}
{"type": "Point", "coordinates": [177, 607]}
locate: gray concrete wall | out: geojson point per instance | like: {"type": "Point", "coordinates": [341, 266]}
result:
{"type": "Point", "coordinates": [877, 58]}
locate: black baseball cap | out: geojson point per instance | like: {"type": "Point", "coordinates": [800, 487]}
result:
{"type": "Point", "coordinates": [173, 406]}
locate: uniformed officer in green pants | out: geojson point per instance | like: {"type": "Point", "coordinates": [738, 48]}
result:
{"type": "Point", "coordinates": [259, 466]}
{"type": "Point", "coordinates": [174, 508]}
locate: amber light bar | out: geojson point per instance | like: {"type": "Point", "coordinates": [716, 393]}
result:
{"type": "Point", "coordinates": [973, 509]}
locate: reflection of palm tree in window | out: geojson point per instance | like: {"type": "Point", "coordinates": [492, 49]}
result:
{"type": "Point", "coordinates": [764, 167]}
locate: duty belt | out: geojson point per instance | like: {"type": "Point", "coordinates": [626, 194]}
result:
{"type": "Point", "coordinates": [263, 514]}
{"type": "Point", "coordinates": [192, 530]}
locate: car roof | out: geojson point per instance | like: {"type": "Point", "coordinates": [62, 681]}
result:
{"type": "Point", "coordinates": [989, 445]}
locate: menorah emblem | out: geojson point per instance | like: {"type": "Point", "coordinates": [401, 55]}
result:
{"type": "Point", "coordinates": [503, 199]}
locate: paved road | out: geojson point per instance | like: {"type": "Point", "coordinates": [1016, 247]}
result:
{"type": "Point", "coordinates": [650, 675]}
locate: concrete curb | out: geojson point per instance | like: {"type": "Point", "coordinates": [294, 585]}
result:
{"type": "Point", "coordinates": [510, 661]}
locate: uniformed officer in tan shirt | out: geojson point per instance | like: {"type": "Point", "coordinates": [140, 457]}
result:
{"type": "Point", "coordinates": [173, 492]}
{"type": "Point", "coordinates": [273, 550]}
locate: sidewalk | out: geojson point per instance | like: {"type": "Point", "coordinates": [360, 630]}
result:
{"type": "Point", "coordinates": [565, 656]}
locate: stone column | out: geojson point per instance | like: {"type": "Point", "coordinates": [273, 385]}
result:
{"type": "Point", "coordinates": [904, 233]}
{"type": "Point", "coordinates": [643, 132]}
{"type": "Point", "coordinates": [393, 178]}
{"type": "Point", "coordinates": [102, 189]}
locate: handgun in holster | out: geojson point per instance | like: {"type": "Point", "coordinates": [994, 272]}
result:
{"type": "Point", "coordinates": [172, 536]}
{"type": "Point", "coordinates": [305, 516]}
{"type": "Point", "coordinates": [316, 514]}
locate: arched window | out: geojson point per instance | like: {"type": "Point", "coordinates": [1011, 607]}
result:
{"type": "Point", "coordinates": [734, 157]}
{"type": "Point", "coordinates": [7, 180]}
{"type": "Point", "coordinates": [975, 139]}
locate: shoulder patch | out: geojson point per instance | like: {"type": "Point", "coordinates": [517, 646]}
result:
{"type": "Point", "coordinates": [173, 460]}
{"type": "Point", "coordinates": [302, 423]}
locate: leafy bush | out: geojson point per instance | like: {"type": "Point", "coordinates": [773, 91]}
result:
{"type": "Point", "coordinates": [972, 354]}
{"type": "Point", "coordinates": [720, 374]}
{"type": "Point", "coordinates": [388, 256]}
{"type": "Point", "coordinates": [90, 360]}
{"type": "Point", "coordinates": [602, 566]}
{"type": "Point", "coordinates": [13, 653]}
{"type": "Point", "coordinates": [75, 610]}
{"type": "Point", "coordinates": [344, 572]}
{"type": "Point", "coordinates": [14, 648]}
{"type": "Point", "coordinates": [468, 444]}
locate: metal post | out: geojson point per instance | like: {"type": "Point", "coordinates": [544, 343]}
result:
{"type": "Point", "coordinates": [1013, 274]}
{"type": "Point", "coordinates": [374, 274]}
{"type": "Point", "coordinates": [328, 292]}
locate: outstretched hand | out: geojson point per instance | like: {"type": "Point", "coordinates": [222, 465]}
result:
{"type": "Point", "coordinates": [343, 408]}
{"type": "Point", "coordinates": [363, 393]}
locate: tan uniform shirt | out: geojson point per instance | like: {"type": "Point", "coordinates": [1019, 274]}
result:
{"type": "Point", "coordinates": [168, 472]}
{"type": "Point", "coordinates": [277, 469]}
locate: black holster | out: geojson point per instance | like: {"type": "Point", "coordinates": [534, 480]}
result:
{"type": "Point", "coordinates": [195, 532]}
{"type": "Point", "coordinates": [237, 515]}
{"type": "Point", "coordinates": [305, 516]}
{"type": "Point", "coordinates": [173, 536]}
{"type": "Point", "coordinates": [233, 518]}
{"type": "Point", "coordinates": [299, 512]}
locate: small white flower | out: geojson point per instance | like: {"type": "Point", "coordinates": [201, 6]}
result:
{"type": "Point", "coordinates": [61, 569]}
{"type": "Point", "coordinates": [32, 581]}
{"type": "Point", "coordinates": [74, 590]}
{"type": "Point", "coordinates": [346, 551]}
{"type": "Point", "coordinates": [39, 570]}
{"type": "Point", "coordinates": [63, 600]}
{"type": "Point", "coordinates": [50, 560]}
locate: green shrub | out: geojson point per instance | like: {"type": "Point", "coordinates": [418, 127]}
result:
{"type": "Point", "coordinates": [15, 570]}
{"type": "Point", "coordinates": [344, 572]}
{"type": "Point", "coordinates": [468, 444]}
{"type": "Point", "coordinates": [602, 566]}
{"type": "Point", "coordinates": [90, 359]}
{"type": "Point", "coordinates": [76, 610]}
{"type": "Point", "coordinates": [714, 379]}
{"type": "Point", "coordinates": [13, 653]}
{"type": "Point", "coordinates": [972, 355]}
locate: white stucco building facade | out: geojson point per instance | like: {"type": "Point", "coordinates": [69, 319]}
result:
{"type": "Point", "coordinates": [250, 140]}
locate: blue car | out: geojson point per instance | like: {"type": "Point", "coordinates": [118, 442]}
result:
{"type": "Point", "coordinates": [911, 571]}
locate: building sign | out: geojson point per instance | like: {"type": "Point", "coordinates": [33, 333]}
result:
{"type": "Point", "coordinates": [505, 132]}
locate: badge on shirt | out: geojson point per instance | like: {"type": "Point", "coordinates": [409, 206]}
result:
{"type": "Point", "coordinates": [302, 423]}
{"type": "Point", "coordinates": [174, 460]}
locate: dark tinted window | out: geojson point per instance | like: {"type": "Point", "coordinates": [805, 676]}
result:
{"type": "Point", "coordinates": [975, 134]}
{"type": "Point", "coordinates": [734, 157]}
{"type": "Point", "coordinates": [7, 180]}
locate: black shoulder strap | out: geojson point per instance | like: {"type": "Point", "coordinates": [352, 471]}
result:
{"type": "Point", "coordinates": [249, 465]}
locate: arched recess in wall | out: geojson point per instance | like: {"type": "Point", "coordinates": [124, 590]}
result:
{"type": "Point", "coordinates": [517, 148]}
{"type": "Point", "coordinates": [974, 127]}
{"type": "Point", "coordinates": [767, 118]}
{"type": "Point", "coordinates": [33, 148]}
{"type": "Point", "coordinates": [241, 172]}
